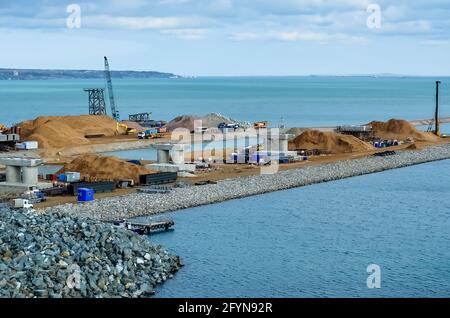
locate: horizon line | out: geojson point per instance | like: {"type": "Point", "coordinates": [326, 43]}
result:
{"type": "Point", "coordinates": [381, 74]}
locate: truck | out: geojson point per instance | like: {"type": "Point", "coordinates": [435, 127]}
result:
{"type": "Point", "coordinates": [199, 130]}
{"type": "Point", "coordinates": [22, 204]}
{"type": "Point", "coordinates": [153, 133]}
{"type": "Point", "coordinates": [229, 126]}
{"type": "Point", "coordinates": [260, 124]}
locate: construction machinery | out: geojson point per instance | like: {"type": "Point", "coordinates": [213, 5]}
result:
{"type": "Point", "coordinates": [260, 124]}
{"type": "Point", "coordinates": [121, 128]}
{"type": "Point", "coordinates": [154, 133]}
{"type": "Point", "coordinates": [114, 111]}
{"type": "Point", "coordinates": [3, 129]}
{"type": "Point", "coordinates": [131, 131]}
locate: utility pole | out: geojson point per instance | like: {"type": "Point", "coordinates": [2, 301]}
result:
{"type": "Point", "coordinates": [437, 131]}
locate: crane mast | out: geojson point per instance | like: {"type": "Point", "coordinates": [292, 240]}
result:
{"type": "Point", "coordinates": [115, 113]}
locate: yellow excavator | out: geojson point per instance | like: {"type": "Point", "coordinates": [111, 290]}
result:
{"type": "Point", "coordinates": [3, 129]}
{"type": "Point", "coordinates": [123, 129]}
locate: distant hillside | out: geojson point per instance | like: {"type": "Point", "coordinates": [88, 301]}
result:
{"type": "Point", "coordinates": [27, 74]}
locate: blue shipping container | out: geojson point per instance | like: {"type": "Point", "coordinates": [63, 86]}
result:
{"type": "Point", "coordinates": [62, 177]}
{"type": "Point", "coordinates": [85, 195]}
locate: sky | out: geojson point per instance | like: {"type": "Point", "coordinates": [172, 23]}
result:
{"type": "Point", "coordinates": [229, 37]}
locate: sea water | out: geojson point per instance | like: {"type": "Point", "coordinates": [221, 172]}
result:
{"type": "Point", "coordinates": [318, 241]}
{"type": "Point", "coordinates": [300, 101]}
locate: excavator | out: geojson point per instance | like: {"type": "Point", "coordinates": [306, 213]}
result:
{"type": "Point", "coordinates": [3, 129]}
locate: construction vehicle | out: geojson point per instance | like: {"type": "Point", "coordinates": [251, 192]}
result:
{"type": "Point", "coordinates": [3, 129]}
{"type": "Point", "coordinates": [153, 133]}
{"type": "Point", "coordinates": [260, 124]}
{"type": "Point", "coordinates": [141, 135]}
{"type": "Point", "coordinates": [230, 126]}
{"type": "Point", "coordinates": [121, 128]}
{"type": "Point", "coordinates": [22, 204]}
{"type": "Point", "coordinates": [131, 131]}
{"type": "Point", "coordinates": [112, 104]}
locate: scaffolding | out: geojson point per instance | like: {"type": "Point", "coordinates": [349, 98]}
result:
{"type": "Point", "coordinates": [96, 101]}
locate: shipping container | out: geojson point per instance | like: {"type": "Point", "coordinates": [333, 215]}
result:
{"type": "Point", "coordinates": [72, 176]}
{"type": "Point", "coordinates": [157, 178]}
{"type": "Point", "coordinates": [27, 145]}
{"type": "Point", "coordinates": [100, 186]}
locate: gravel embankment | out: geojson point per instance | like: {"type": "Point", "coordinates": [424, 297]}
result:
{"type": "Point", "coordinates": [56, 255]}
{"type": "Point", "coordinates": [140, 204]}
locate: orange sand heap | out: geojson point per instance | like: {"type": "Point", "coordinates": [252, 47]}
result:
{"type": "Point", "coordinates": [96, 167]}
{"type": "Point", "coordinates": [400, 130]}
{"type": "Point", "coordinates": [66, 131]}
{"type": "Point", "coordinates": [211, 120]}
{"type": "Point", "coordinates": [329, 142]}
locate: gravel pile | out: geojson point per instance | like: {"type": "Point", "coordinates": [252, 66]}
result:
{"type": "Point", "coordinates": [56, 255]}
{"type": "Point", "coordinates": [147, 204]}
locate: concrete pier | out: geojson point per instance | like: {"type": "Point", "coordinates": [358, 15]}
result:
{"type": "Point", "coordinates": [171, 158]}
{"type": "Point", "coordinates": [13, 174]}
{"type": "Point", "coordinates": [278, 143]}
{"type": "Point", "coordinates": [21, 174]}
{"type": "Point", "coordinates": [170, 153]}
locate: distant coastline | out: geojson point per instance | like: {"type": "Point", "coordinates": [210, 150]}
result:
{"type": "Point", "coordinates": [42, 74]}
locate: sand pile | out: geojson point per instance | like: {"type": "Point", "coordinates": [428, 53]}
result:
{"type": "Point", "coordinates": [211, 120]}
{"type": "Point", "coordinates": [67, 131]}
{"type": "Point", "coordinates": [96, 167]}
{"type": "Point", "coordinates": [295, 131]}
{"type": "Point", "coordinates": [185, 121]}
{"type": "Point", "coordinates": [414, 146]}
{"type": "Point", "coordinates": [400, 130]}
{"type": "Point", "coordinates": [329, 141]}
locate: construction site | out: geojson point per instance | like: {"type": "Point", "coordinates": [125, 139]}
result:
{"type": "Point", "coordinates": [189, 150]}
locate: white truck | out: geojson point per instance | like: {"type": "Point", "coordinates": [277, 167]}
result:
{"type": "Point", "coordinates": [22, 204]}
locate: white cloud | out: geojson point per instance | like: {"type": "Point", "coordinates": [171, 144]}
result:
{"type": "Point", "coordinates": [141, 23]}
{"type": "Point", "coordinates": [186, 34]}
{"type": "Point", "coordinates": [173, 2]}
{"type": "Point", "coordinates": [295, 36]}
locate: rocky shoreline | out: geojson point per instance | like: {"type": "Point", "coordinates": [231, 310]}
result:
{"type": "Point", "coordinates": [56, 255]}
{"type": "Point", "coordinates": [140, 204]}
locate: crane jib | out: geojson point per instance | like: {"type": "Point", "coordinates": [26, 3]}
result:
{"type": "Point", "coordinates": [114, 112]}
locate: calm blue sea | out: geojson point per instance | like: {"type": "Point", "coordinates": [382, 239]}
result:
{"type": "Point", "coordinates": [317, 241]}
{"type": "Point", "coordinates": [301, 101]}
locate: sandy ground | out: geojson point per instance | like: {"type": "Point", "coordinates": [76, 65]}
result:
{"type": "Point", "coordinates": [122, 142]}
{"type": "Point", "coordinates": [228, 171]}
{"type": "Point", "coordinates": [53, 201]}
